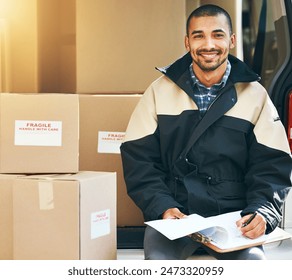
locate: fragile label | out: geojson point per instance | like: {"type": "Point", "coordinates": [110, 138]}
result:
{"type": "Point", "coordinates": [100, 223]}
{"type": "Point", "coordinates": [109, 142]}
{"type": "Point", "coordinates": [38, 133]}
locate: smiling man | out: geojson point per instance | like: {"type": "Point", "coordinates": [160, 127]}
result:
{"type": "Point", "coordinates": [205, 138]}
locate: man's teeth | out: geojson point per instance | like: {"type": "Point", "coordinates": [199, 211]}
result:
{"type": "Point", "coordinates": [209, 55]}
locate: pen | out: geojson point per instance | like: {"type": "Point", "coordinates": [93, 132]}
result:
{"type": "Point", "coordinates": [249, 219]}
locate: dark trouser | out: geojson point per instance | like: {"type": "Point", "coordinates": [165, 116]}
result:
{"type": "Point", "coordinates": [159, 247]}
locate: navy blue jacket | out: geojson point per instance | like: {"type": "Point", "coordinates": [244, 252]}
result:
{"type": "Point", "coordinates": [235, 157]}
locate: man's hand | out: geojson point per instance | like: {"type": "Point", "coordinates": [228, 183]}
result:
{"type": "Point", "coordinates": [255, 228]}
{"type": "Point", "coordinates": [173, 213]}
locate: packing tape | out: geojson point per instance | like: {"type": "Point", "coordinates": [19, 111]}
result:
{"type": "Point", "coordinates": [46, 195]}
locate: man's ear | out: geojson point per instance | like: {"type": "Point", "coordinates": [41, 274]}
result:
{"type": "Point", "coordinates": [187, 45]}
{"type": "Point", "coordinates": [232, 41]}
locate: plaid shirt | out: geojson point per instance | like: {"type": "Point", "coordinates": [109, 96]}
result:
{"type": "Point", "coordinates": [204, 96]}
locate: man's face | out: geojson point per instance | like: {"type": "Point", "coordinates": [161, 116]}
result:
{"type": "Point", "coordinates": [209, 41]}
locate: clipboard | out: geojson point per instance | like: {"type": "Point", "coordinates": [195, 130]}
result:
{"type": "Point", "coordinates": [277, 235]}
{"type": "Point", "coordinates": [217, 232]}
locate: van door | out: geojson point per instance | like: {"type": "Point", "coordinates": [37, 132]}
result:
{"type": "Point", "coordinates": [267, 41]}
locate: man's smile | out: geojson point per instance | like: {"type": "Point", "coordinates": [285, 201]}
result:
{"type": "Point", "coordinates": [209, 54]}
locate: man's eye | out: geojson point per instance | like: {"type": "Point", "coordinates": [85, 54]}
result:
{"type": "Point", "coordinates": [218, 35]}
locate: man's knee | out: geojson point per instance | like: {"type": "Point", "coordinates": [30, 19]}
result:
{"type": "Point", "coordinates": [255, 253]}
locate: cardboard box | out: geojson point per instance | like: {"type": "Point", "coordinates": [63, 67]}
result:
{"type": "Point", "coordinates": [39, 133]}
{"type": "Point", "coordinates": [6, 214]}
{"type": "Point", "coordinates": [67, 217]}
{"type": "Point", "coordinates": [103, 122]}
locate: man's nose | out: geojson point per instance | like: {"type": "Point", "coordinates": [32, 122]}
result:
{"type": "Point", "coordinates": [209, 42]}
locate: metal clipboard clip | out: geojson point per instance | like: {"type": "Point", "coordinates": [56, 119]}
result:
{"type": "Point", "coordinates": [198, 237]}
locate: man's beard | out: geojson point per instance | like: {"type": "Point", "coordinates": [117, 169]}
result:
{"type": "Point", "coordinates": [208, 68]}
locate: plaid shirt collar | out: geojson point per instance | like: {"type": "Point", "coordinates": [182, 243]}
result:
{"type": "Point", "coordinates": [204, 96]}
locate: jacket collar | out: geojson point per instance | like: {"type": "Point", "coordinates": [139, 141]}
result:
{"type": "Point", "coordinates": [240, 72]}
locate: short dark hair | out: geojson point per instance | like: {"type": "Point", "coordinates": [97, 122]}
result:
{"type": "Point", "coordinates": [208, 11]}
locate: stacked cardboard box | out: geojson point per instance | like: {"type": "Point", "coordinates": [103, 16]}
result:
{"type": "Point", "coordinates": [6, 216]}
{"type": "Point", "coordinates": [103, 122]}
{"type": "Point", "coordinates": [51, 216]}
{"type": "Point", "coordinates": [65, 216]}
{"type": "Point", "coordinates": [39, 133]}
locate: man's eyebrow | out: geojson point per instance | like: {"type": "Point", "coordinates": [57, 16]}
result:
{"type": "Point", "coordinates": [196, 32]}
{"type": "Point", "coordinates": [218, 30]}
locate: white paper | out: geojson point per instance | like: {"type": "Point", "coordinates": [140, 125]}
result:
{"type": "Point", "coordinates": [100, 223]}
{"type": "Point", "coordinates": [38, 133]}
{"type": "Point", "coordinates": [176, 228]}
{"type": "Point", "coordinates": [109, 142]}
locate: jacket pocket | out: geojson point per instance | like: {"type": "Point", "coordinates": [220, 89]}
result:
{"type": "Point", "coordinates": [228, 189]}
{"type": "Point", "coordinates": [230, 195]}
